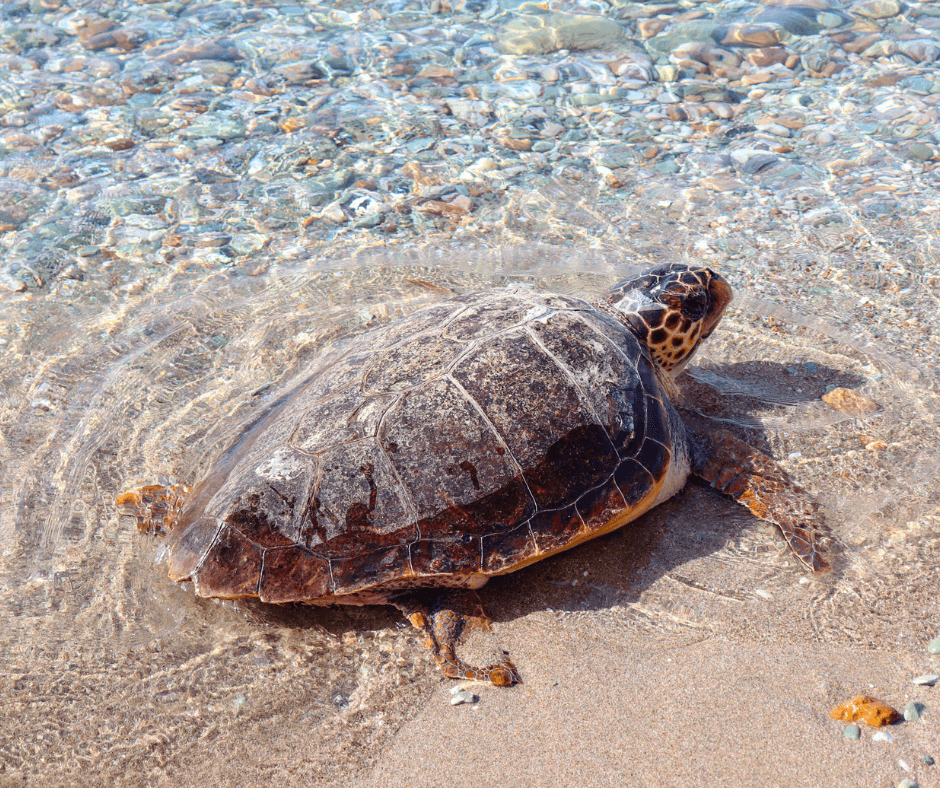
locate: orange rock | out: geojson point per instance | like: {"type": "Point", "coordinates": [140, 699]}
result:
{"type": "Point", "coordinates": [862, 708]}
{"type": "Point", "coordinates": [849, 401]}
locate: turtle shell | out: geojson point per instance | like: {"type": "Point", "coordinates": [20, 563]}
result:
{"type": "Point", "coordinates": [466, 440]}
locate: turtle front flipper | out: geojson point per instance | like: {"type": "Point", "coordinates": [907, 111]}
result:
{"type": "Point", "coordinates": [448, 619]}
{"type": "Point", "coordinates": [154, 507]}
{"type": "Point", "coordinates": [739, 470]}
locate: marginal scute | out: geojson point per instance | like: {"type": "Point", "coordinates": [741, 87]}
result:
{"type": "Point", "coordinates": [451, 555]}
{"type": "Point", "coordinates": [599, 506]}
{"type": "Point", "coordinates": [294, 574]}
{"type": "Point", "coordinates": [555, 528]}
{"type": "Point", "coordinates": [357, 571]}
{"type": "Point", "coordinates": [232, 567]}
{"type": "Point", "coordinates": [504, 549]}
{"type": "Point", "coordinates": [188, 545]}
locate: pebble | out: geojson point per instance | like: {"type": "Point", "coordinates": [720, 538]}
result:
{"type": "Point", "coordinates": [928, 760]}
{"type": "Point", "coordinates": [907, 783]}
{"type": "Point", "coordinates": [934, 646]}
{"type": "Point", "coordinates": [462, 696]}
{"type": "Point", "coordinates": [864, 708]}
{"type": "Point", "coordinates": [852, 732]}
{"type": "Point", "coordinates": [912, 711]}
{"type": "Point", "coordinates": [884, 736]}
{"type": "Point", "coordinates": [927, 680]}
{"type": "Point", "coordinates": [849, 401]}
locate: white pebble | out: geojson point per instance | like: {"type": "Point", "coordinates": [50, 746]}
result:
{"type": "Point", "coordinates": [461, 696]}
{"type": "Point", "coordinates": [928, 680]}
{"type": "Point", "coordinates": [879, 736]}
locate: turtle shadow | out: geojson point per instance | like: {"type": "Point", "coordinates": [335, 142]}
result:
{"type": "Point", "coordinates": [618, 568]}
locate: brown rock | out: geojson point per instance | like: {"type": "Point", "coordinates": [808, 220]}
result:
{"type": "Point", "coordinates": [190, 49]}
{"type": "Point", "coordinates": [648, 28]}
{"type": "Point", "coordinates": [437, 72]}
{"type": "Point", "coordinates": [753, 35]}
{"type": "Point", "coordinates": [863, 708]}
{"type": "Point", "coordinates": [792, 122]}
{"type": "Point", "coordinates": [125, 38]}
{"type": "Point", "coordinates": [718, 184]}
{"type": "Point", "coordinates": [514, 144]}
{"type": "Point", "coordinates": [443, 208]}
{"type": "Point", "coordinates": [418, 174]}
{"type": "Point", "coordinates": [850, 401]}
{"type": "Point", "coordinates": [756, 79]}
{"type": "Point", "coordinates": [766, 56]}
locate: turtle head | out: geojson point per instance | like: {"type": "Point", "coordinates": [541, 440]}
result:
{"type": "Point", "coordinates": [672, 309]}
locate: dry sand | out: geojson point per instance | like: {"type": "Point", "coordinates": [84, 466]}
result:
{"type": "Point", "coordinates": [603, 711]}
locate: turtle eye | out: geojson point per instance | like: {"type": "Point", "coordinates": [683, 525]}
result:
{"type": "Point", "coordinates": [695, 305]}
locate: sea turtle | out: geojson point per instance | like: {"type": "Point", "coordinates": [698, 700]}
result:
{"type": "Point", "coordinates": [468, 440]}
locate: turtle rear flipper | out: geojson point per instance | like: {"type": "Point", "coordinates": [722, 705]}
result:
{"type": "Point", "coordinates": [154, 507]}
{"type": "Point", "coordinates": [448, 619]}
{"type": "Point", "coordinates": [742, 472]}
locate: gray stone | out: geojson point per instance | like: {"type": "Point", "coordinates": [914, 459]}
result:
{"type": "Point", "coordinates": [700, 30]}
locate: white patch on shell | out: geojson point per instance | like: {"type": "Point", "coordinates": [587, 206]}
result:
{"type": "Point", "coordinates": [282, 465]}
{"type": "Point", "coordinates": [540, 313]}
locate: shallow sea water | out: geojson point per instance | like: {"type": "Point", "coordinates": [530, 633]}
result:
{"type": "Point", "coordinates": [141, 372]}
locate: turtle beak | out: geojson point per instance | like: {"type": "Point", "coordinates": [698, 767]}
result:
{"type": "Point", "coordinates": [721, 295]}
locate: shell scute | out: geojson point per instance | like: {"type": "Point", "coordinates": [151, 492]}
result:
{"type": "Point", "coordinates": [634, 481]}
{"type": "Point", "coordinates": [408, 327]}
{"type": "Point", "coordinates": [357, 493]}
{"type": "Point", "coordinates": [504, 549]}
{"type": "Point", "coordinates": [530, 420]}
{"type": "Point", "coordinates": [555, 528]}
{"type": "Point", "coordinates": [346, 416]}
{"type": "Point", "coordinates": [410, 364]}
{"type": "Point", "coordinates": [446, 555]}
{"type": "Point", "coordinates": [603, 376]}
{"type": "Point", "coordinates": [575, 462]}
{"type": "Point", "coordinates": [360, 570]}
{"type": "Point", "coordinates": [444, 452]}
{"type": "Point", "coordinates": [189, 544]}
{"type": "Point", "coordinates": [294, 574]}
{"type": "Point", "coordinates": [488, 316]}
{"type": "Point", "coordinates": [232, 568]}
{"type": "Point", "coordinates": [599, 506]}
{"type": "Point", "coordinates": [267, 499]}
